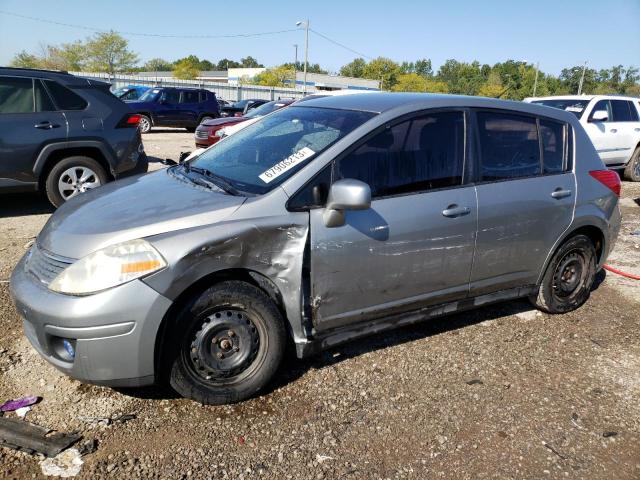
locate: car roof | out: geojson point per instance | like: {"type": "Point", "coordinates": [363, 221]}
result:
{"type": "Point", "coordinates": [383, 102]}
{"type": "Point", "coordinates": [61, 76]}
{"type": "Point", "coordinates": [581, 97]}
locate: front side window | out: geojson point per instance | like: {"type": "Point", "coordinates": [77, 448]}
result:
{"type": "Point", "coordinates": [150, 95]}
{"type": "Point", "coordinates": [419, 154]}
{"type": "Point", "coordinates": [64, 98]}
{"type": "Point", "coordinates": [509, 146]}
{"type": "Point", "coordinates": [602, 105]}
{"type": "Point", "coordinates": [263, 155]}
{"type": "Point", "coordinates": [554, 146]}
{"type": "Point", "coordinates": [16, 95]}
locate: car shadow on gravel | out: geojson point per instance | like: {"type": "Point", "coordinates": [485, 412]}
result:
{"type": "Point", "coordinates": [296, 368]}
{"type": "Point", "coordinates": [19, 204]}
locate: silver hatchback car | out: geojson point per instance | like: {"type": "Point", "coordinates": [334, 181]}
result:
{"type": "Point", "coordinates": [323, 222]}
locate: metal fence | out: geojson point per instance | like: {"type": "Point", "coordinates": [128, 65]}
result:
{"type": "Point", "coordinates": [222, 90]}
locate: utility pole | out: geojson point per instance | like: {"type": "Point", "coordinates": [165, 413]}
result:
{"type": "Point", "coordinates": [295, 64]}
{"type": "Point", "coordinates": [535, 82]}
{"type": "Point", "coordinates": [306, 52]}
{"type": "Point", "coordinates": [584, 69]}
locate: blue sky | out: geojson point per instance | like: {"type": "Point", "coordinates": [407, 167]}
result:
{"type": "Point", "coordinates": [556, 33]}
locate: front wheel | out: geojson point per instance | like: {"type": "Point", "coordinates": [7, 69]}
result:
{"type": "Point", "coordinates": [632, 170]}
{"type": "Point", "coordinates": [567, 282]}
{"type": "Point", "coordinates": [231, 342]}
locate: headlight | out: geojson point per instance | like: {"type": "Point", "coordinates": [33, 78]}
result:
{"type": "Point", "coordinates": [220, 133]}
{"type": "Point", "coordinates": [109, 267]}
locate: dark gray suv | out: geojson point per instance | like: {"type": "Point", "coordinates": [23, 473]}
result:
{"type": "Point", "coordinates": [63, 134]}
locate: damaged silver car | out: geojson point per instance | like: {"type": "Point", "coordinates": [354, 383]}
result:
{"type": "Point", "coordinates": [323, 222]}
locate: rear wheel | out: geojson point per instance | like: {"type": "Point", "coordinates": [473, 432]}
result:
{"type": "Point", "coordinates": [632, 170]}
{"type": "Point", "coordinates": [231, 343]}
{"type": "Point", "coordinates": [567, 283]}
{"type": "Point", "coordinates": [144, 124]}
{"type": "Point", "coordinates": [205, 118]}
{"type": "Point", "coordinates": [73, 176]}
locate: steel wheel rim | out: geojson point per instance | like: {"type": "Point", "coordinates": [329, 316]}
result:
{"type": "Point", "coordinates": [76, 180]}
{"type": "Point", "coordinates": [569, 276]}
{"type": "Point", "coordinates": [226, 348]}
{"type": "Point", "coordinates": [204, 119]}
{"type": "Point", "coordinates": [636, 167]}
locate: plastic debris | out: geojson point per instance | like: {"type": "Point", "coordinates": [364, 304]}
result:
{"type": "Point", "coordinates": [30, 438]}
{"type": "Point", "coordinates": [322, 458]}
{"type": "Point", "coordinates": [11, 405]}
{"type": "Point", "coordinates": [106, 421]}
{"type": "Point", "coordinates": [22, 411]}
{"type": "Point", "coordinates": [88, 447]}
{"type": "Point", "coordinates": [636, 232]}
{"type": "Point", "coordinates": [65, 465]}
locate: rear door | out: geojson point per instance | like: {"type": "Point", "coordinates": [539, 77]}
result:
{"type": "Point", "coordinates": [189, 107]}
{"type": "Point", "coordinates": [81, 120]}
{"type": "Point", "coordinates": [625, 117]}
{"type": "Point", "coordinates": [414, 246]}
{"type": "Point", "coordinates": [28, 121]}
{"type": "Point", "coordinates": [526, 195]}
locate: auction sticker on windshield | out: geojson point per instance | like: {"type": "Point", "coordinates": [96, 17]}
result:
{"type": "Point", "coordinates": [286, 164]}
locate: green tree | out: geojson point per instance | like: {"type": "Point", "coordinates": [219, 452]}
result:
{"type": "Point", "coordinates": [460, 77]}
{"type": "Point", "coordinates": [24, 59]}
{"type": "Point", "coordinates": [410, 82]}
{"type": "Point", "coordinates": [493, 87]}
{"type": "Point", "coordinates": [250, 62]}
{"type": "Point", "coordinates": [383, 69]}
{"type": "Point", "coordinates": [109, 52]}
{"type": "Point", "coordinates": [280, 76]}
{"type": "Point", "coordinates": [423, 67]}
{"type": "Point", "coordinates": [226, 63]}
{"type": "Point", "coordinates": [354, 68]}
{"type": "Point", "coordinates": [187, 68]}
{"type": "Point", "coordinates": [311, 67]}
{"type": "Point", "coordinates": [157, 65]}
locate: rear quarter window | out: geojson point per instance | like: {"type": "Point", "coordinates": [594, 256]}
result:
{"type": "Point", "coordinates": [64, 98]}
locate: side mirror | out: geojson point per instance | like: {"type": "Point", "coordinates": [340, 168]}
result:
{"type": "Point", "coordinates": [599, 116]}
{"type": "Point", "coordinates": [347, 194]}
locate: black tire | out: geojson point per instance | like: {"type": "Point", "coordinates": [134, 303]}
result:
{"type": "Point", "coordinates": [567, 282]}
{"type": "Point", "coordinates": [59, 174]}
{"type": "Point", "coordinates": [205, 117]}
{"type": "Point", "coordinates": [190, 129]}
{"type": "Point", "coordinates": [248, 321]}
{"type": "Point", "coordinates": [145, 124]}
{"type": "Point", "coordinates": [632, 170]}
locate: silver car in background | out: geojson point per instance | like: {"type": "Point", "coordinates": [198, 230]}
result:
{"type": "Point", "coordinates": [323, 222]}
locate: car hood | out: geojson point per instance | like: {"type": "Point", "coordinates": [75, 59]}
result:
{"type": "Point", "coordinates": [135, 207]}
{"type": "Point", "coordinates": [222, 121]}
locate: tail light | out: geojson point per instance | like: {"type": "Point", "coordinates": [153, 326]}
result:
{"type": "Point", "coordinates": [129, 120]}
{"type": "Point", "coordinates": [608, 178]}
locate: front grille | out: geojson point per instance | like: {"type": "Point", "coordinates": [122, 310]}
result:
{"type": "Point", "coordinates": [204, 134]}
{"type": "Point", "coordinates": [45, 265]}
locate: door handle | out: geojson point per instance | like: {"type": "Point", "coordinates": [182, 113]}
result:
{"type": "Point", "coordinates": [454, 210]}
{"type": "Point", "coordinates": [636, 129]}
{"type": "Point", "coordinates": [613, 130]}
{"type": "Point", "coordinates": [560, 193]}
{"type": "Point", "coordinates": [46, 125]}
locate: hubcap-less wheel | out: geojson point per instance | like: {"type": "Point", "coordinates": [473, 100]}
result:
{"type": "Point", "coordinates": [225, 348]}
{"type": "Point", "coordinates": [569, 275]}
{"type": "Point", "coordinates": [204, 119]}
{"type": "Point", "coordinates": [77, 180]}
{"type": "Point", "coordinates": [636, 167]}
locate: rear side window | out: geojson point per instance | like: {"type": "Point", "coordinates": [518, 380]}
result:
{"type": "Point", "coordinates": [509, 146]}
{"type": "Point", "coordinates": [189, 96]}
{"type": "Point", "coordinates": [43, 100]}
{"type": "Point", "coordinates": [554, 146]}
{"type": "Point", "coordinates": [622, 111]}
{"type": "Point", "coordinates": [423, 153]}
{"type": "Point", "coordinates": [64, 98]}
{"type": "Point", "coordinates": [171, 97]}
{"type": "Point", "coordinates": [204, 95]}
{"type": "Point", "coordinates": [16, 95]}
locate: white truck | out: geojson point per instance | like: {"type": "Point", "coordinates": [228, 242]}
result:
{"type": "Point", "coordinates": [613, 124]}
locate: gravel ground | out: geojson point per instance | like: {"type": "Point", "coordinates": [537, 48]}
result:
{"type": "Point", "coordinates": [501, 392]}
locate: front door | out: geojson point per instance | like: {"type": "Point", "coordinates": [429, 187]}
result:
{"type": "Point", "coordinates": [166, 114]}
{"type": "Point", "coordinates": [414, 246]}
{"type": "Point", "coordinates": [607, 136]}
{"type": "Point", "coordinates": [525, 199]}
{"type": "Point", "coordinates": [28, 121]}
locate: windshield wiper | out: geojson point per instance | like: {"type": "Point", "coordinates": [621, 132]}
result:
{"type": "Point", "coordinates": [218, 180]}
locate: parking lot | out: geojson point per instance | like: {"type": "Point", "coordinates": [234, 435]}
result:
{"type": "Point", "coordinates": [500, 392]}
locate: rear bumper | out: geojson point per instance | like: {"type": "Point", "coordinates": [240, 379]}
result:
{"type": "Point", "coordinates": [113, 331]}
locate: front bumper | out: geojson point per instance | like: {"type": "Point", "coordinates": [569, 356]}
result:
{"type": "Point", "coordinates": [114, 331]}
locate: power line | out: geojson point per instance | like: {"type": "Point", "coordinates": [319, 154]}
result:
{"type": "Point", "coordinates": [138, 34]}
{"type": "Point", "coordinates": [360, 54]}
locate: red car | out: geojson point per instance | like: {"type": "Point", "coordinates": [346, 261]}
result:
{"type": "Point", "coordinates": [206, 132]}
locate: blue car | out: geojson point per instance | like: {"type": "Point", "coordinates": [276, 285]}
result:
{"type": "Point", "coordinates": [130, 92]}
{"type": "Point", "coordinates": [175, 107]}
